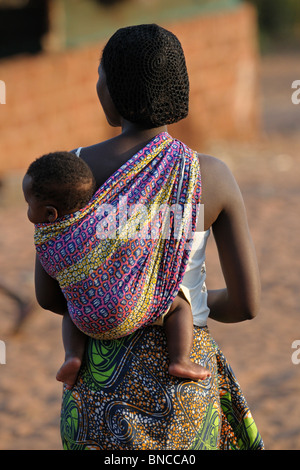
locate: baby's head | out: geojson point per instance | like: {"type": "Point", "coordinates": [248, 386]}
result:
{"type": "Point", "coordinates": [55, 185]}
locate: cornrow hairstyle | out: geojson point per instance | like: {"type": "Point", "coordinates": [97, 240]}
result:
{"type": "Point", "coordinates": [146, 75]}
{"type": "Point", "coordinates": [62, 178]}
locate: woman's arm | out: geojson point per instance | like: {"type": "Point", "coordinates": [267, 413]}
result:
{"type": "Point", "coordinates": [240, 299]}
{"type": "Point", "coordinates": [47, 291]}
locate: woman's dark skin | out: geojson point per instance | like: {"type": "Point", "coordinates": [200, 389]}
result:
{"type": "Point", "coordinates": [224, 212]}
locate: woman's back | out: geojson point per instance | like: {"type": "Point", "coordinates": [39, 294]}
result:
{"type": "Point", "coordinates": [105, 158]}
{"type": "Point", "coordinates": [224, 212]}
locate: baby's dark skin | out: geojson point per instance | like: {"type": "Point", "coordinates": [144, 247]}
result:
{"type": "Point", "coordinates": [178, 325]}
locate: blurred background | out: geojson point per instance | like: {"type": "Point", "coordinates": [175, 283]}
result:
{"type": "Point", "coordinates": [242, 57]}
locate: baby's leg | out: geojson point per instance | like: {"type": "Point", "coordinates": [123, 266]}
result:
{"type": "Point", "coordinates": [179, 332]}
{"type": "Point", "coordinates": [74, 343]}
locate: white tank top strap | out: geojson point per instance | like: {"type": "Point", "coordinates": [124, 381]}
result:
{"type": "Point", "coordinates": [77, 152]}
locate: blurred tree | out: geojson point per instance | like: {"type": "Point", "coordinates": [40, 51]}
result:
{"type": "Point", "coordinates": [22, 26]}
{"type": "Point", "coordinates": [108, 3]}
{"type": "Point", "coordinates": [279, 20]}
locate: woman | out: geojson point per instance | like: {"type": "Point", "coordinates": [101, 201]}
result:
{"type": "Point", "coordinates": [124, 397]}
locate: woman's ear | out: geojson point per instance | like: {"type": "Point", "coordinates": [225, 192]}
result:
{"type": "Point", "coordinates": [52, 213]}
{"type": "Point", "coordinates": [113, 117]}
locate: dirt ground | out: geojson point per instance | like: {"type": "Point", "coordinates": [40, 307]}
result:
{"type": "Point", "coordinates": [259, 351]}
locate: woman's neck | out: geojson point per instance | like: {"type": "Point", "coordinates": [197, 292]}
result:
{"type": "Point", "coordinates": [138, 133]}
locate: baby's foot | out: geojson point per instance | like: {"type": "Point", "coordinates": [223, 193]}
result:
{"type": "Point", "coordinates": [188, 370]}
{"type": "Point", "coordinates": [69, 371]}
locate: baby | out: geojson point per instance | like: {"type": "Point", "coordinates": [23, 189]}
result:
{"type": "Point", "coordinates": [59, 184]}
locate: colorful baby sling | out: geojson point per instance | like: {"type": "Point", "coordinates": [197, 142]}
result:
{"type": "Point", "coordinates": [120, 260]}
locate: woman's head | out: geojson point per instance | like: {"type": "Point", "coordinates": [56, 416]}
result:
{"type": "Point", "coordinates": [146, 75]}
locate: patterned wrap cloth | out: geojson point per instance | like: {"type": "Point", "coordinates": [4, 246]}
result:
{"type": "Point", "coordinates": [120, 260]}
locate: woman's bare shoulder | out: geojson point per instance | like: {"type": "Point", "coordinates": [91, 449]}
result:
{"type": "Point", "coordinates": [219, 187]}
{"type": "Point", "coordinates": [213, 167]}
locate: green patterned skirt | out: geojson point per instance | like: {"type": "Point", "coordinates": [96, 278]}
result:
{"type": "Point", "coordinates": [125, 399]}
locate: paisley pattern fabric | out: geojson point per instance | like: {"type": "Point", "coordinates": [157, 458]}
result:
{"type": "Point", "coordinates": [120, 260]}
{"type": "Point", "coordinates": [125, 399]}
